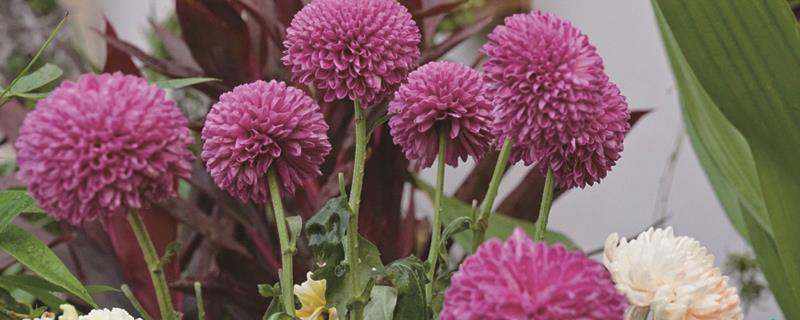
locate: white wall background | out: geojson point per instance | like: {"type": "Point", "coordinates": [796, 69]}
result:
{"type": "Point", "coordinates": [626, 35]}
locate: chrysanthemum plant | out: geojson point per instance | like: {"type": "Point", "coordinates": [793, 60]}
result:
{"type": "Point", "coordinates": [291, 185]}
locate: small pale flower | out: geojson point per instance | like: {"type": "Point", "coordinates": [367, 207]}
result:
{"type": "Point", "coordinates": [673, 277]}
{"type": "Point", "coordinates": [105, 314]}
{"type": "Point", "coordinates": [311, 294]}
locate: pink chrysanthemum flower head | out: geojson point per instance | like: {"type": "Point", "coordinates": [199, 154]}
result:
{"type": "Point", "coordinates": [553, 98]}
{"type": "Point", "coordinates": [360, 49]}
{"type": "Point", "coordinates": [101, 146]}
{"type": "Point", "coordinates": [261, 125]}
{"type": "Point", "coordinates": [442, 96]}
{"type": "Point", "coordinates": [522, 279]}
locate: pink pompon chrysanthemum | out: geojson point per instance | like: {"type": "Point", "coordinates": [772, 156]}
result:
{"type": "Point", "coordinates": [553, 98]}
{"type": "Point", "coordinates": [522, 279]}
{"type": "Point", "coordinates": [261, 125]}
{"type": "Point", "coordinates": [442, 95]}
{"type": "Point", "coordinates": [361, 49]}
{"type": "Point", "coordinates": [101, 146]}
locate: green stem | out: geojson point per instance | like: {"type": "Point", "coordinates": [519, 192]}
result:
{"type": "Point", "coordinates": [354, 204]}
{"type": "Point", "coordinates": [35, 58]}
{"type": "Point", "coordinates": [488, 201]}
{"type": "Point", "coordinates": [436, 232]}
{"type": "Point", "coordinates": [154, 265]}
{"type": "Point", "coordinates": [544, 209]}
{"type": "Point", "coordinates": [286, 278]}
{"type": "Point", "coordinates": [198, 295]}
{"type": "Point", "coordinates": [135, 302]}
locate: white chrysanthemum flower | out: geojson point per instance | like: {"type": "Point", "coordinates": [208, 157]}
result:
{"type": "Point", "coordinates": [674, 277]}
{"type": "Point", "coordinates": [311, 294]}
{"type": "Point", "coordinates": [105, 314]}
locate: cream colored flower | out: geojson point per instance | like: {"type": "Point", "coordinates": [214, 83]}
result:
{"type": "Point", "coordinates": [69, 312]}
{"type": "Point", "coordinates": [105, 314]}
{"type": "Point", "coordinates": [312, 296]}
{"type": "Point", "coordinates": [674, 277]}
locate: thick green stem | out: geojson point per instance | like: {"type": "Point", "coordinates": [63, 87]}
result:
{"type": "Point", "coordinates": [154, 265]}
{"type": "Point", "coordinates": [544, 209]}
{"type": "Point", "coordinates": [354, 204]}
{"type": "Point", "coordinates": [436, 232]}
{"type": "Point", "coordinates": [286, 278]}
{"type": "Point", "coordinates": [488, 201]}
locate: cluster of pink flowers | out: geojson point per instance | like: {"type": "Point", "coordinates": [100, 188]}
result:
{"type": "Point", "coordinates": [107, 144]}
{"type": "Point", "coordinates": [553, 98]}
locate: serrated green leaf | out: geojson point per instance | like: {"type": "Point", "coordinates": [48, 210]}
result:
{"type": "Point", "coordinates": [183, 82]}
{"type": "Point", "coordinates": [14, 202]}
{"type": "Point", "coordinates": [381, 304]}
{"type": "Point", "coordinates": [407, 275]}
{"type": "Point", "coordinates": [37, 79]}
{"type": "Point", "coordinates": [37, 257]}
{"type": "Point", "coordinates": [500, 225]}
{"type": "Point", "coordinates": [325, 232]}
{"type": "Point", "coordinates": [339, 290]}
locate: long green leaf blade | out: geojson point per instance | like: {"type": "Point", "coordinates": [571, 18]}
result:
{"type": "Point", "coordinates": [35, 255]}
{"type": "Point", "coordinates": [12, 203]}
{"type": "Point", "coordinates": [746, 56]}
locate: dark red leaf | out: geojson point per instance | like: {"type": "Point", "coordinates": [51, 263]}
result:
{"type": "Point", "coordinates": [386, 173]}
{"type": "Point", "coordinates": [286, 9]}
{"type": "Point", "coordinates": [219, 40]}
{"type": "Point", "coordinates": [176, 48]}
{"type": "Point", "coordinates": [163, 67]}
{"type": "Point", "coordinates": [201, 223]}
{"type": "Point", "coordinates": [453, 40]}
{"type": "Point", "coordinates": [118, 60]}
{"type": "Point", "coordinates": [163, 231]}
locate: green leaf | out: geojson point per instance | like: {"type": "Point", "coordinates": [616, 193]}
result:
{"type": "Point", "coordinates": [771, 266]}
{"type": "Point", "coordinates": [37, 79]}
{"type": "Point", "coordinates": [35, 286]}
{"type": "Point", "coordinates": [33, 96]}
{"type": "Point", "coordinates": [500, 225]}
{"type": "Point", "coordinates": [35, 255]}
{"type": "Point", "coordinates": [33, 61]}
{"type": "Point", "coordinates": [325, 232]}
{"type": "Point", "coordinates": [99, 288]}
{"type": "Point", "coordinates": [745, 56]}
{"type": "Point", "coordinates": [339, 291]}
{"type": "Point", "coordinates": [183, 82]}
{"type": "Point", "coordinates": [12, 203]}
{"type": "Point", "coordinates": [10, 308]}
{"type": "Point", "coordinates": [269, 291]}
{"type": "Point", "coordinates": [295, 225]}
{"type": "Point", "coordinates": [407, 275]}
{"type": "Point", "coordinates": [381, 303]}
